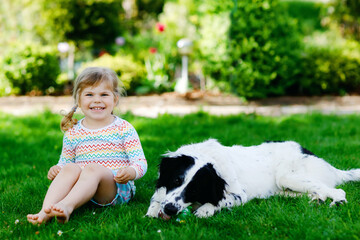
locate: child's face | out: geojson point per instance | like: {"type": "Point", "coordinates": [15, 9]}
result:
{"type": "Point", "coordinates": [97, 104]}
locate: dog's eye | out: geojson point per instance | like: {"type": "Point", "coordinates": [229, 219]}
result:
{"type": "Point", "coordinates": [178, 181]}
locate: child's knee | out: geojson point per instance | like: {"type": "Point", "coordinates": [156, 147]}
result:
{"type": "Point", "coordinates": [92, 167]}
{"type": "Point", "coordinates": [96, 169]}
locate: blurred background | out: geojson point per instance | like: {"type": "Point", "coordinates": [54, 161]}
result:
{"type": "Point", "coordinates": [251, 48]}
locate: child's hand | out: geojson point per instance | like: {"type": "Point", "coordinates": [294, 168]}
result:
{"type": "Point", "coordinates": [53, 172]}
{"type": "Point", "coordinates": [124, 175]}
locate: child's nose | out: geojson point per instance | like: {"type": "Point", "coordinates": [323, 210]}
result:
{"type": "Point", "coordinates": [97, 98]}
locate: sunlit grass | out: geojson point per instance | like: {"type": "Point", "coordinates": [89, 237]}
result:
{"type": "Point", "coordinates": [31, 144]}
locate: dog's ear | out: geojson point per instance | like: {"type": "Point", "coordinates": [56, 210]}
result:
{"type": "Point", "coordinates": [206, 186]}
{"type": "Point", "coordinates": [171, 168]}
{"type": "Point", "coordinates": [171, 164]}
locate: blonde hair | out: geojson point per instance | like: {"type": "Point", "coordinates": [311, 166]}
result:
{"type": "Point", "coordinates": [91, 77]}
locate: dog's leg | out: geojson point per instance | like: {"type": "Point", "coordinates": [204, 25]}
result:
{"type": "Point", "coordinates": [206, 210]}
{"type": "Point", "coordinates": [317, 189]}
{"type": "Point", "coordinates": [155, 201]}
{"type": "Point", "coordinates": [230, 200]}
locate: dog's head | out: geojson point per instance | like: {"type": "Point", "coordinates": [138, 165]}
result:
{"type": "Point", "coordinates": [188, 180]}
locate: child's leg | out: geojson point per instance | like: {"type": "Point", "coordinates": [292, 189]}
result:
{"type": "Point", "coordinates": [58, 189]}
{"type": "Point", "coordinates": [96, 182]}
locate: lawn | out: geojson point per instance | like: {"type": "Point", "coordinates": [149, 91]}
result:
{"type": "Point", "coordinates": [31, 144]}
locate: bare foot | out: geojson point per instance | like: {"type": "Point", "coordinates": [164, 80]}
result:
{"type": "Point", "coordinates": [61, 211]}
{"type": "Point", "coordinates": [39, 218]}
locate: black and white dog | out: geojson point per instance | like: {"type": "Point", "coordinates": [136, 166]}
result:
{"type": "Point", "coordinates": [211, 176]}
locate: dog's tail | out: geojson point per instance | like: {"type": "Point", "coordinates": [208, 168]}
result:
{"type": "Point", "coordinates": [350, 175]}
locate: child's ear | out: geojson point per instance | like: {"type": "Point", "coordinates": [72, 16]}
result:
{"type": "Point", "coordinates": [116, 100]}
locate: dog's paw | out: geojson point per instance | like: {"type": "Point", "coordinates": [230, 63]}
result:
{"type": "Point", "coordinates": [339, 197]}
{"type": "Point", "coordinates": [317, 198]}
{"type": "Point", "coordinates": [338, 203]}
{"type": "Point", "coordinates": [206, 210]}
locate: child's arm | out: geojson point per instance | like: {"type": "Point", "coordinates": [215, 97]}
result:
{"type": "Point", "coordinates": [124, 175]}
{"type": "Point", "coordinates": [67, 152]}
{"type": "Point", "coordinates": [53, 172]}
{"type": "Point", "coordinates": [134, 151]}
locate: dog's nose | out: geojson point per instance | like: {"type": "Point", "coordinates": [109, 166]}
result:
{"type": "Point", "coordinates": [170, 209]}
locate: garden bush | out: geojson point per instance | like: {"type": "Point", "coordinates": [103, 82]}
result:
{"type": "Point", "coordinates": [255, 50]}
{"type": "Point", "coordinates": [130, 72]}
{"type": "Point", "coordinates": [31, 67]}
{"type": "Point", "coordinates": [346, 14]}
{"type": "Point", "coordinates": [5, 87]}
{"type": "Point", "coordinates": [330, 65]}
{"type": "Point", "coordinates": [308, 14]}
{"type": "Point", "coordinates": [213, 43]}
{"type": "Point", "coordinates": [264, 46]}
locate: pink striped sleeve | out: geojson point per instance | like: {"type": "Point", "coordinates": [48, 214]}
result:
{"type": "Point", "coordinates": [134, 150]}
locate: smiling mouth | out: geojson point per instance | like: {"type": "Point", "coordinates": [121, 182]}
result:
{"type": "Point", "coordinates": [97, 108]}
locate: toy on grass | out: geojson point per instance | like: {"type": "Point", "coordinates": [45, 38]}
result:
{"type": "Point", "coordinates": [184, 214]}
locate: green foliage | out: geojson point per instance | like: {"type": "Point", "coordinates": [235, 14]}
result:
{"type": "Point", "coordinates": [156, 46]}
{"type": "Point", "coordinates": [308, 14]}
{"type": "Point", "coordinates": [264, 45]}
{"type": "Point", "coordinates": [157, 78]}
{"type": "Point", "coordinates": [97, 21]}
{"type": "Point", "coordinates": [149, 7]}
{"type": "Point", "coordinates": [347, 14]}
{"type": "Point", "coordinates": [214, 43]}
{"type": "Point", "coordinates": [32, 144]}
{"type": "Point", "coordinates": [254, 48]}
{"type": "Point", "coordinates": [330, 65]}
{"type": "Point", "coordinates": [90, 23]}
{"type": "Point", "coordinates": [18, 18]}
{"type": "Point", "coordinates": [31, 67]}
{"type": "Point", "coordinates": [264, 48]}
{"type": "Point", "coordinates": [5, 86]}
{"type": "Point", "coordinates": [130, 73]}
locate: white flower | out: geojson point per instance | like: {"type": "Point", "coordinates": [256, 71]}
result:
{"type": "Point", "coordinates": [93, 213]}
{"type": "Point", "coordinates": [159, 231]}
{"type": "Point", "coordinates": [17, 221]}
{"type": "Point", "coordinates": [59, 232]}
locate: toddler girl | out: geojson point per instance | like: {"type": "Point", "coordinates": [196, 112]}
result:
{"type": "Point", "coordinates": [101, 154]}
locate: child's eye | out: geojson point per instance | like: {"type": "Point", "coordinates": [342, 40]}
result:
{"type": "Point", "coordinates": [104, 94]}
{"type": "Point", "coordinates": [88, 94]}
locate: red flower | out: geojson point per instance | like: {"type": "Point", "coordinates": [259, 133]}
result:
{"type": "Point", "coordinates": [152, 50]}
{"type": "Point", "coordinates": [102, 52]}
{"type": "Point", "coordinates": [160, 27]}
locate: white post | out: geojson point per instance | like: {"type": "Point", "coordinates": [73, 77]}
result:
{"type": "Point", "coordinates": [182, 84]}
{"type": "Point", "coordinates": [184, 46]}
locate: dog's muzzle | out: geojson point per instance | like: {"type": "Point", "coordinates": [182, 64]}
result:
{"type": "Point", "coordinates": [171, 209]}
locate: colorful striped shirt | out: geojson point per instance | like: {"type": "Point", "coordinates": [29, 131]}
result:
{"type": "Point", "coordinates": [114, 146]}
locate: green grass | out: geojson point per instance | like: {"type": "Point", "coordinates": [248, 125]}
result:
{"type": "Point", "coordinates": [31, 144]}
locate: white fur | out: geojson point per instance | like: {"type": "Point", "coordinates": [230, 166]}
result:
{"type": "Point", "coordinates": [257, 172]}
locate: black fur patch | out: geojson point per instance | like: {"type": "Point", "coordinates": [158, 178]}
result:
{"type": "Point", "coordinates": [305, 151]}
{"type": "Point", "coordinates": [172, 171]}
{"type": "Point", "coordinates": [205, 187]}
